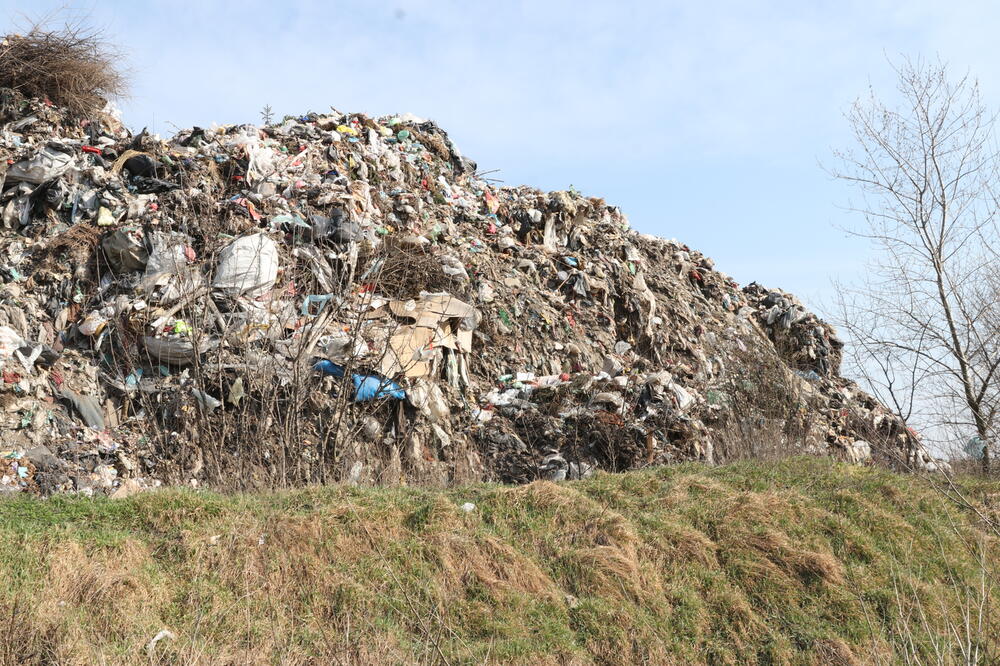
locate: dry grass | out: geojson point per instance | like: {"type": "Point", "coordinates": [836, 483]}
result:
{"type": "Point", "coordinates": [496, 566]}
{"type": "Point", "coordinates": [404, 271]}
{"type": "Point", "coordinates": [74, 67]}
{"type": "Point", "coordinates": [74, 247]}
{"type": "Point", "coordinates": [766, 563]}
{"type": "Point", "coordinates": [834, 652]}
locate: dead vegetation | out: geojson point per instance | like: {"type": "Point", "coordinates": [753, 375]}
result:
{"type": "Point", "coordinates": [72, 66]}
{"type": "Point", "coordinates": [398, 270]}
{"type": "Point", "coordinates": [76, 246]}
{"type": "Point", "coordinates": [764, 411]}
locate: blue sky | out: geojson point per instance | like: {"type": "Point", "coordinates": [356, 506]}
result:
{"type": "Point", "coordinates": [705, 121]}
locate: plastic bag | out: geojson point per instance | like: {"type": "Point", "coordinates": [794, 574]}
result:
{"type": "Point", "coordinates": [168, 267]}
{"type": "Point", "coordinates": [125, 250]}
{"type": "Point", "coordinates": [366, 387]}
{"type": "Point", "coordinates": [248, 265]}
{"type": "Point", "coordinates": [371, 387]}
{"type": "Point", "coordinates": [48, 164]}
{"type": "Point", "coordinates": [174, 351]}
{"type": "Point", "coordinates": [10, 340]}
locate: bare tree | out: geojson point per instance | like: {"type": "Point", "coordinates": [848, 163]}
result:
{"type": "Point", "coordinates": [925, 315]}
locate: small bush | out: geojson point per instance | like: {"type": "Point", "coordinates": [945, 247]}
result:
{"type": "Point", "coordinates": [73, 67]}
{"type": "Point", "coordinates": [405, 271]}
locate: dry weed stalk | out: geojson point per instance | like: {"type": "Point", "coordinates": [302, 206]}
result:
{"type": "Point", "coordinates": [73, 66]}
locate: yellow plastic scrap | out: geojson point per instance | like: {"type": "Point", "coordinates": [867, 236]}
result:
{"type": "Point", "coordinates": [105, 218]}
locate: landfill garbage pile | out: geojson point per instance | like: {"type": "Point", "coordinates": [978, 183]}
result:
{"type": "Point", "coordinates": [342, 298]}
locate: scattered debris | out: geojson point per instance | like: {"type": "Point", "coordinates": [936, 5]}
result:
{"type": "Point", "coordinates": [162, 634]}
{"type": "Point", "coordinates": [341, 298]}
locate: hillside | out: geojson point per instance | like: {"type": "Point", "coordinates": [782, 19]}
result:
{"type": "Point", "coordinates": [804, 561]}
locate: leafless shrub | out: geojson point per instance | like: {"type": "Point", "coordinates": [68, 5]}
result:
{"type": "Point", "coordinates": [72, 66]}
{"type": "Point", "coordinates": [763, 411]}
{"type": "Point", "coordinates": [277, 423]}
{"type": "Point", "coordinates": [78, 244]}
{"type": "Point", "coordinates": [403, 271]}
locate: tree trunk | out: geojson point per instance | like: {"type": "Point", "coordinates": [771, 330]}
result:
{"type": "Point", "coordinates": [981, 431]}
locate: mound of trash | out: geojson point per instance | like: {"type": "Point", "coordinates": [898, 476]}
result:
{"type": "Point", "coordinates": [342, 298]}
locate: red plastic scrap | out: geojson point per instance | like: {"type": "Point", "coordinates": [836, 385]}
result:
{"type": "Point", "coordinates": [251, 209]}
{"type": "Point", "coordinates": [492, 203]}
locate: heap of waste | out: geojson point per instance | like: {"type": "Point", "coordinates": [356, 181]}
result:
{"type": "Point", "coordinates": [343, 298]}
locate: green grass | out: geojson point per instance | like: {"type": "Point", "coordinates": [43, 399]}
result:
{"type": "Point", "coordinates": [802, 561]}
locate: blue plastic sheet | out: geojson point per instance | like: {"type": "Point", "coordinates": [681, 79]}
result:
{"type": "Point", "coordinates": [329, 368]}
{"type": "Point", "coordinates": [366, 387]}
{"type": "Point", "coordinates": [370, 387]}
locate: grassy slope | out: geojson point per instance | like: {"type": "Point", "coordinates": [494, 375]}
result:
{"type": "Point", "coordinates": [803, 561]}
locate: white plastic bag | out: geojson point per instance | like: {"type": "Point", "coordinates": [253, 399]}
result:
{"type": "Point", "coordinates": [48, 164]}
{"type": "Point", "coordinates": [247, 266]}
{"type": "Point", "coordinates": [10, 340]}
